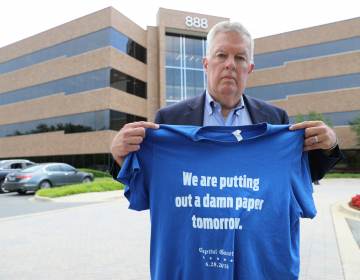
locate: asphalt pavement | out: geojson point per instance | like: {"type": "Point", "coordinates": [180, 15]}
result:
{"type": "Point", "coordinates": [14, 204]}
{"type": "Point", "coordinates": [99, 238]}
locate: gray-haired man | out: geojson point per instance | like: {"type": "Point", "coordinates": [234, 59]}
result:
{"type": "Point", "coordinates": [228, 64]}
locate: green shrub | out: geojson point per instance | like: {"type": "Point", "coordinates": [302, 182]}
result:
{"type": "Point", "coordinates": [98, 185]}
{"type": "Point", "coordinates": [342, 175]}
{"type": "Point", "coordinates": [96, 173]}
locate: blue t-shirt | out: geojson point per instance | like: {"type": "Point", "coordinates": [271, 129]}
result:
{"type": "Point", "coordinates": [225, 202]}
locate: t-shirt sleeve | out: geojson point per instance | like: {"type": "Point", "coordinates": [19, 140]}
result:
{"type": "Point", "coordinates": [302, 187]}
{"type": "Point", "coordinates": [132, 176]}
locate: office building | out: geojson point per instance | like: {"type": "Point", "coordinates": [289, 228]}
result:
{"type": "Point", "coordinates": [66, 91]}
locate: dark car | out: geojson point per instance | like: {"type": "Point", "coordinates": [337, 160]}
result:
{"type": "Point", "coordinates": [43, 176]}
{"type": "Point", "coordinates": [10, 166]}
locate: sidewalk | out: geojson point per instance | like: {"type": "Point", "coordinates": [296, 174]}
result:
{"type": "Point", "coordinates": [349, 247]}
{"type": "Point", "coordinates": [86, 197]}
{"type": "Point", "coordinates": [328, 246]}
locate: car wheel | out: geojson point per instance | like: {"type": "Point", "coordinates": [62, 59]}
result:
{"type": "Point", "coordinates": [45, 185]}
{"type": "Point", "coordinates": [2, 190]}
{"type": "Point", "coordinates": [86, 180]}
{"type": "Point", "coordinates": [21, 192]}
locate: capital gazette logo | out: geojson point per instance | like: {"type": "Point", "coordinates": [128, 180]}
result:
{"type": "Point", "coordinates": [217, 258]}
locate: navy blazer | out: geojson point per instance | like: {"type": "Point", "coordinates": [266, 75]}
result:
{"type": "Point", "coordinates": [191, 112]}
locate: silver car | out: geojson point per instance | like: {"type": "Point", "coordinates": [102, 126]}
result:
{"type": "Point", "coordinates": [11, 166]}
{"type": "Point", "coordinates": [44, 176]}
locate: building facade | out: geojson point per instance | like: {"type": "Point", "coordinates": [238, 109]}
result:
{"type": "Point", "coordinates": [314, 71]}
{"type": "Point", "coordinates": [65, 92]}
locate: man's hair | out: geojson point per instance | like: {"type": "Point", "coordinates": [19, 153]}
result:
{"type": "Point", "coordinates": [227, 26]}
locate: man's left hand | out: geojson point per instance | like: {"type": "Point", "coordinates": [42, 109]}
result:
{"type": "Point", "coordinates": [317, 135]}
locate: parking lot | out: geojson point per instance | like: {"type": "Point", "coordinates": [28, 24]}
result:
{"type": "Point", "coordinates": [14, 204]}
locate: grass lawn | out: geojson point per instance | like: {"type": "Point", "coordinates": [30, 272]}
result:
{"type": "Point", "coordinates": [342, 175]}
{"type": "Point", "coordinates": [98, 185]}
{"type": "Point", "coordinates": [96, 173]}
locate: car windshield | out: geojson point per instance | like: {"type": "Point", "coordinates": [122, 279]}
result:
{"type": "Point", "coordinates": [3, 164]}
{"type": "Point", "coordinates": [32, 168]}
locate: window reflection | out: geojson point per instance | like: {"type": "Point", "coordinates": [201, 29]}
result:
{"type": "Point", "coordinates": [127, 83]}
{"type": "Point", "coordinates": [173, 84]}
{"type": "Point", "coordinates": [84, 122]}
{"type": "Point", "coordinates": [94, 161]}
{"type": "Point", "coordinates": [78, 83]}
{"type": "Point", "coordinates": [73, 84]}
{"type": "Point", "coordinates": [173, 54]}
{"type": "Point", "coordinates": [184, 70]}
{"type": "Point", "coordinates": [194, 83]}
{"type": "Point", "coordinates": [92, 41]}
{"type": "Point", "coordinates": [127, 45]}
{"type": "Point", "coordinates": [119, 119]}
{"type": "Point", "coordinates": [193, 53]}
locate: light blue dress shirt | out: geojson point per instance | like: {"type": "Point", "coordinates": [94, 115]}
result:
{"type": "Point", "coordinates": [236, 117]}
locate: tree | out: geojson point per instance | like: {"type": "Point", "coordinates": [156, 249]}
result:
{"type": "Point", "coordinates": [355, 126]}
{"type": "Point", "coordinates": [313, 116]}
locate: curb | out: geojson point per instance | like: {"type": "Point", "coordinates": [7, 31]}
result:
{"type": "Point", "coordinates": [42, 198]}
{"type": "Point", "coordinates": [348, 248]}
{"type": "Point", "coordinates": [346, 209]}
{"type": "Point", "coordinates": [90, 197]}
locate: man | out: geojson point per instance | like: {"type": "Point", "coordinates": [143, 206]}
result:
{"type": "Point", "coordinates": [228, 63]}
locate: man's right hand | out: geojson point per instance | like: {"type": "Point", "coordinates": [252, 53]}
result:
{"type": "Point", "coordinates": [128, 139]}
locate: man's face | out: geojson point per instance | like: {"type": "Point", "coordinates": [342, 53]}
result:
{"type": "Point", "coordinates": [227, 67]}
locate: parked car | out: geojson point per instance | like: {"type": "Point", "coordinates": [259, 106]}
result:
{"type": "Point", "coordinates": [44, 176]}
{"type": "Point", "coordinates": [10, 166]}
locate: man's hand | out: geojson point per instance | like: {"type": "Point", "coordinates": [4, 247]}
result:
{"type": "Point", "coordinates": [317, 135]}
{"type": "Point", "coordinates": [128, 139]}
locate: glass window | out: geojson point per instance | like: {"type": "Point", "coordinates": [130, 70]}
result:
{"type": "Point", "coordinates": [173, 84]}
{"type": "Point", "coordinates": [83, 122]}
{"type": "Point", "coordinates": [16, 166]}
{"type": "Point", "coordinates": [32, 168]}
{"type": "Point", "coordinates": [137, 51]}
{"type": "Point", "coordinates": [184, 70]}
{"type": "Point", "coordinates": [92, 41]}
{"type": "Point", "coordinates": [67, 168]}
{"type": "Point", "coordinates": [173, 53]}
{"type": "Point", "coordinates": [140, 88]}
{"type": "Point", "coordinates": [194, 83]}
{"type": "Point", "coordinates": [281, 91]}
{"type": "Point", "coordinates": [127, 45]}
{"type": "Point", "coordinates": [101, 119]}
{"type": "Point", "coordinates": [193, 53]}
{"type": "Point", "coordinates": [94, 161]}
{"type": "Point", "coordinates": [69, 124]}
{"type": "Point", "coordinates": [74, 84]}
{"type": "Point", "coordinates": [54, 168]}
{"type": "Point", "coordinates": [127, 83]}
{"type": "Point", "coordinates": [278, 58]}
{"type": "Point", "coordinates": [119, 119]}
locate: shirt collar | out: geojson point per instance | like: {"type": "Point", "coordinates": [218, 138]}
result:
{"type": "Point", "coordinates": [211, 105]}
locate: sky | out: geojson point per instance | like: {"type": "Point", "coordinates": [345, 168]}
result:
{"type": "Point", "coordinates": [20, 19]}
